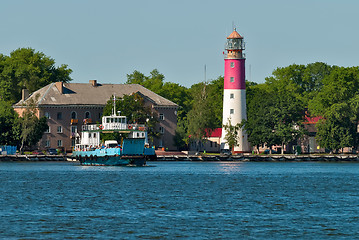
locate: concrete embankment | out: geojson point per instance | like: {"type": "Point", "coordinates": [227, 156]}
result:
{"type": "Point", "coordinates": [32, 158]}
{"type": "Point", "coordinates": [262, 158]}
{"type": "Point", "coordinates": [206, 158]}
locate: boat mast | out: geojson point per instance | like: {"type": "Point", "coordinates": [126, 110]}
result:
{"type": "Point", "coordinates": [114, 105]}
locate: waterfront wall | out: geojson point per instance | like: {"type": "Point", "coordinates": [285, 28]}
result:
{"type": "Point", "coordinates": [211, 158]}
{"type": "Point", "coordinates": [32, 158]}
{"type": "Point", "coordinates": [262, 158]}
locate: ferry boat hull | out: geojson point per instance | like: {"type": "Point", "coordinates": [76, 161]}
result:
{"type": "Point", "coordinates": [113, 161]}
{"type": "Point", "coordinates": [131, 154]}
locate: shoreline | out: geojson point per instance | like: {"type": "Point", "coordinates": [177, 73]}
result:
{"type": "Point", "coordinates": [205, 158]}
{"type": "Point", "coordinates": [263, 158]}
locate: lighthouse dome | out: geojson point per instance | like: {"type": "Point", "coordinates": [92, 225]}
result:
{"type": "Point", "coordinates": [234, 35]}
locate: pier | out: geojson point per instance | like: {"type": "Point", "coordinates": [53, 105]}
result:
{"type": "Point", "coordinates": [261, 158]}
{"type": "Point", "coordinates": [205, 158]}
{"type": "Point", "coordinates": [32, 158]}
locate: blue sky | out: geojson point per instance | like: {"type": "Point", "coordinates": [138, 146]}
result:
{"type": "Point", "coordinates": [108, 39]}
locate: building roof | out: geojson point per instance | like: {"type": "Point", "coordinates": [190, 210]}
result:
{"type": "Point", "coordinates": [89, 94]}
{"type": "Point", "coordinates": [312, 120]}
{"type": "Point", "coordinates": [215, 133]}
{"type": "Point", "coordinates": [234, 34]}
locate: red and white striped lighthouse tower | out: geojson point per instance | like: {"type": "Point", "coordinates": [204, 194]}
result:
{"type": "Point", "coordinates": [234, 95]}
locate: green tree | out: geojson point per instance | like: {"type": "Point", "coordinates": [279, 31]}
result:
{"type": "Point", "coordinates": [275, 109]}
{"type": "Point", "coordinates": [338, 104]}
{"type": "Point", "coordinates": [32, 128]}
{"type": "Point", "coordinates": [232, 138]}
{"type": "Point", "coordinates": [25, 68]}
{"type": "Point", "coordinates": [309, 78]}
{"type": "Point", "coordinates": [7, 120]}
{"type": "Point", "coordinates": [201, 120]}
{"type": "Point", "coordinates": [181, 139]}
{"type": "Point", "coordinates": [153, 82]}
{"type": "Point", "coordinates": [337, 130]}
{"type": "Point", "coordinates": [215, 100]}
{"type": "Point", "coordinates": [259, 125]}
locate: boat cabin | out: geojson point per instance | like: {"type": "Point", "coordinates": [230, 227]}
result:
{"type": "Point", "coordinates": [114, 122]}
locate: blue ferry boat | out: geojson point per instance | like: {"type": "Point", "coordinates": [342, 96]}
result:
{"type": "Point", "coordinates": [133, 150]}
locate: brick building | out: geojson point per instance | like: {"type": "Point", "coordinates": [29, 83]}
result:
{"type": "Point", "coordinates": [69, 105]}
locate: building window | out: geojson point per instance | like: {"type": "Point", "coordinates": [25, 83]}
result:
{"type": "Point", "coordinates": [162, 116]}
{"type": "Point", "coordinates": [59, 143]}
{"type": "Point", "coordinates": [87, 115]}
{"type": "Point", "coordinates": [74, 129]}
{"type": "Point", "coordinates": [231, 96]}
{"type": "Point", "coordinates": [59, 115]}
{"type": "Point", "coordinates": [59, 129]}
{"type": "Point", "coordinates": [74, 115]}
{"type": "Point", "coordinates": [47, 130]}
{"type": "Point", "coordinates": [47, 143]}
{"type": "Point", "coordinates": [231, 79]}
{"type": "Point", "coordinates": [47, 115]}
{"type": "Point", "coordinates": [232, 64]}
{"type": "Point", "coordinates": [162, 130]}
{"type": "Point", "coordinates": [73, 142]}
{"type": "Point", "coordinates": [231, 111]}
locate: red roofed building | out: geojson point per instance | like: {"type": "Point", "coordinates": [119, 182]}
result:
{"type": "Point", "coordinates": [212, 143]}
{"type": "Point", "coordinates": [309, 143]}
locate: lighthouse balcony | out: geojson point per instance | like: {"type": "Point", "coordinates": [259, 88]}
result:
{"type": "Point", "coordinates": [234, 55]}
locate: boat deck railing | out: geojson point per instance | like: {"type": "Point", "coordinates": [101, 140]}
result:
{"type": "Point", "coordinates": [114, 126]}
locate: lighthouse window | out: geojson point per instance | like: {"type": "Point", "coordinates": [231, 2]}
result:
{"type": "Point", "coordinates": [231, 111]}
{"type": "Point", "coordinates": [232, 79]}
{"type": "Point", "coordinates": [231, 96]}
{"type": "Point", "coordinates": [232, 64]}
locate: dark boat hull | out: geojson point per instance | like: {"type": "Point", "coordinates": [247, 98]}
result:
{"type": "Point", "coordinates": [113, 161]}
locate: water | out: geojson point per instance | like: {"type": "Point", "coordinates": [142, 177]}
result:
{"type": "Point", "coordinates": [179, 200]}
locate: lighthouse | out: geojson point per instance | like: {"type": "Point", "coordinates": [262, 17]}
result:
{"type": "Point", "coordinates": [234, 95]}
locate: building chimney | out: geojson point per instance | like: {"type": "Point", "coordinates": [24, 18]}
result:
{"type": "Point", "coordinates": [24, 94]}
{"type": "Point", "coordinates": [93, 83]}
{"type": "Point", "coordinates": [60, 86]}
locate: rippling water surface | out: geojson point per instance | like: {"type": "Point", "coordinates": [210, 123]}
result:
{"type": "Point", "coordinates": [183, 200]}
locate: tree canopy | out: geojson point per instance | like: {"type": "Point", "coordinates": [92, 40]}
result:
{"type": "Point", "coordinates": [25, 68]}
{"type": "Point", "coordinates": [7, 120]}
{"type": "Point", "coordinates": [338, 104]}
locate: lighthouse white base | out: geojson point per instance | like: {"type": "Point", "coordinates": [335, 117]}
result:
{"type": "Point", "coordinates": [234, 110]}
